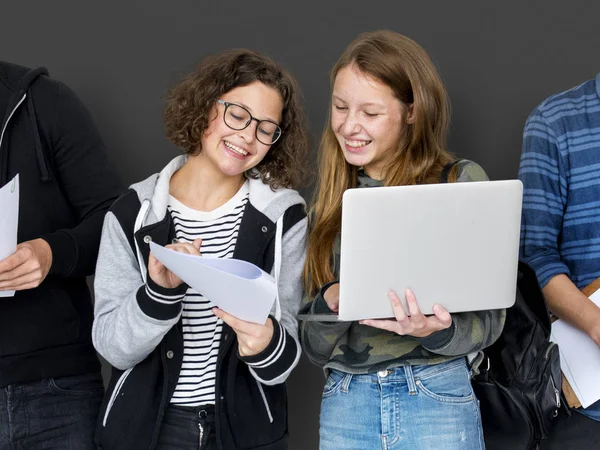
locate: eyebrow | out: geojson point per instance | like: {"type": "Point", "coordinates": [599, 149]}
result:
{"type": "Point", "coordinates": [250, 109]}
{"type": "Point", "coordinates": [335, 97]}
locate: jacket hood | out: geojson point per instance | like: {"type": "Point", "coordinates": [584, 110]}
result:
{"type": "Point", "coordinates": [154, 191]}
{"type": "Point", "coordinates": [18, 81]}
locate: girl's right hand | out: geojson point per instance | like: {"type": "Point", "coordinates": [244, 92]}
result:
{"type": "Point", "coordinates": [332, 297]}
{"type": "Point", "coordinates": [163, 276]}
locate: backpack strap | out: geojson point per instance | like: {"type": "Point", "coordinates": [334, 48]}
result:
{"type": "Point", "coordinates": [446, 170]}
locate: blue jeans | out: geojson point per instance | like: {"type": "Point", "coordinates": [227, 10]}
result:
{"type": "Point", "coordinates": [57, 413]}
{"type": "Point", "coordinates": [412, 407]}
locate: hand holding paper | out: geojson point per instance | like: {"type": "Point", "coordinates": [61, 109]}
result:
{"type": "Point", "coordinates": [237, 287]}
{"type": "Point", "coordinates": [160, 274]}
{"type": "Point", "coordinates": [252, 338]}
{"type": "Point", "coordinates": [27, 267]}
{"type": "Point", "coordinates": [579, 359]}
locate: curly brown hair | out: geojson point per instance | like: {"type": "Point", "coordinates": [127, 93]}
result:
{"type": "Point", "coordinates": [189, 104]}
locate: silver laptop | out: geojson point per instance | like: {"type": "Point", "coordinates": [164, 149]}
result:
{"type": "Point", "coordinates": [456, 244]}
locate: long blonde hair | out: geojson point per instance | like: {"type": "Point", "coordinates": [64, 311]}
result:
{"type": "Point", "coordinates": [404, 66]}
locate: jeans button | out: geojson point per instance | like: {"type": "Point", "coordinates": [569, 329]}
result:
{"type": "Point", "coordinates": [383, 373]}
{"type": "Point", "coordinates": [202, 414]}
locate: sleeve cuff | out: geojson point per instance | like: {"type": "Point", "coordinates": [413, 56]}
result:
{"type": "Point", "coordinates": [439, 339]}
{"type": "Point", "coordinates": [277, 357]}
{"type": "Point", "coordinates": [64, 253]}
{"type": "Point", "coordinates": [159, 302]}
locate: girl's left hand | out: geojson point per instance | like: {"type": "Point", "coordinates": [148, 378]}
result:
{"type": "Point", "coordinates": [417, 324]}
{"type": "Point", "coordinates": [252, 338]}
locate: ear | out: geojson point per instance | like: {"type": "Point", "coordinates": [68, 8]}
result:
{"type": "Point", "coordinates": [410, 114]}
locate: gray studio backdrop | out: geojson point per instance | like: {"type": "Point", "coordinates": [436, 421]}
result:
{"type": "Point", "coordinates": [498, 59]}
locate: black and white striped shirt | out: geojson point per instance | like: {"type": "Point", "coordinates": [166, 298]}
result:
{"type": "Point", "coordinates": [218, 230]}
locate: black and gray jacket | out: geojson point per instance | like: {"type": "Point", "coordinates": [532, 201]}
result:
{"type": "Point", "coordinates": [142, 337]}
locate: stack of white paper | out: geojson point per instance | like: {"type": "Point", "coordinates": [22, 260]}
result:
{"type": "Point", "coordinates": [237, 287]}
{"type": "Point", "coordinates": [9, 205]}
{"type": "Point", "coordinates": [579, 359]}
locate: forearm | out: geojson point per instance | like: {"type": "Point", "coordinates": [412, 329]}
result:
{"type": "Point", "coordinates": [127, 334]}
{"type": "Point", "coordinates": [274, 364]}
{"type": "Point", "coordinates": [319, 339]}
{"type": "Point", "coordinates": [75, 250]}
{"type": "Point", "coordinates": [570, 304]}
{"type": "Point", "coordinates": [470, 332]}
{"type": "Point", "coordinates": [130, 317]}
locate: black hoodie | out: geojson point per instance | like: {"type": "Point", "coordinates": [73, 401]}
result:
{"type": "Point", "coordinates": [66, 186]}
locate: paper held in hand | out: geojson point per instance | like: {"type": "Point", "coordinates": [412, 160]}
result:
{"type": "Point", "coordinates": [579, 359]}
{"type": "Point", "coordinates": [237, 287]}
{"type": "Point", "coordinates": [9, 219]}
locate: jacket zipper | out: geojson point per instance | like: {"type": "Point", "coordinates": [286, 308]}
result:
{"type": "Point", "coordinates": [113, 396]}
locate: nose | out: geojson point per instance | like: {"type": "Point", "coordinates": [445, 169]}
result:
{"type": "Point", "coordinates": [248, 134]}
{"type": "Point", "coordinates": [350, 125]}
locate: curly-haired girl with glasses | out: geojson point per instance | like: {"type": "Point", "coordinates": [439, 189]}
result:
{"type": "Point", "coordinates": [185, 372]}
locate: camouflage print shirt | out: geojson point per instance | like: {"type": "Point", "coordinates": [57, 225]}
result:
{"type": "Point", "coordinates": [355, 348]}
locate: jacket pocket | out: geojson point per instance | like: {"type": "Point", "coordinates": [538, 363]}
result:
{"type": "Point", "coordinates": [115, 393]}
{"type": "Point", "coordinates": [266, 403]}
{"type": "Point", "coordinates": [129, 411]}
{"type": "Point", "coordinates": [258, 413]}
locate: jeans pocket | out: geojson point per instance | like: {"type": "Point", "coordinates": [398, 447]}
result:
{"type": "Point", "coordinates": [448, 386]}
{"type": "Point", "coordinates": [78, 385]}
{"type": "Point", "coordinates": [334, 383]}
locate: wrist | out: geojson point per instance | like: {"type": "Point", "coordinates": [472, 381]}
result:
{"type": "Point", "coordinates": [45, 252]}
{"type": "Point", "coordinates": [594, 333]}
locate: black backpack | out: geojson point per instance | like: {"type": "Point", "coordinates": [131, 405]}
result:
{"type": "Point", "coordinates": [519, 383]}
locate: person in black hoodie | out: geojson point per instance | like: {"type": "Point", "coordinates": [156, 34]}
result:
{"type": "Point", "coordinates": [50, 381]}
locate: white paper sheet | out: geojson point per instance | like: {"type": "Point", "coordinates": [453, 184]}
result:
{"type": "Point", "coordinates": [579, 359]}
{"type": "Point", "coordinates": [237, 287]}
{"type": "Point", "coordinates": [9, 219]}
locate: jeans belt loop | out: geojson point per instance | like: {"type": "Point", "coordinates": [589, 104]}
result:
{"type": "Point", "coordinates": [410, 380]}
{"type": "Point", "coordinates": [346, 382]}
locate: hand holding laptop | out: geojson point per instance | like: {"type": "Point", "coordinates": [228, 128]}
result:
{"type": "Point", "coordinates": [412, 322]}
{"type": "Point", "coordinates": [332, 297]}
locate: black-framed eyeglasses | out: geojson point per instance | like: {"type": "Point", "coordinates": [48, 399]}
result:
{"type": "Point", "coordinates": [237, 118]}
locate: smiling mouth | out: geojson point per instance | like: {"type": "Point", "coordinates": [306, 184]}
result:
{"type": "Point", "coordinates": [356, 144]}
{"type": "Point", "coordinates": [235, 148]}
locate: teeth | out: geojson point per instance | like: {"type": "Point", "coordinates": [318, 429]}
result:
{"type": "Point", "coordinates": [357, 144]}
{"type": "Point", "coordinates": [235, 148]}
